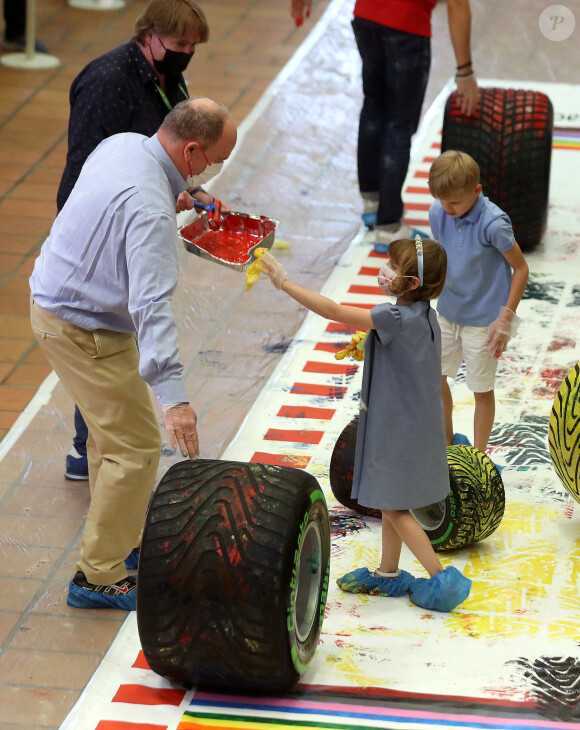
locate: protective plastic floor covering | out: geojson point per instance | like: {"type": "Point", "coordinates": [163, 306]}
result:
{"type": "Point", "coordinates": [509, 657]}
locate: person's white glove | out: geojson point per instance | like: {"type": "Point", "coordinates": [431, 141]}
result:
{"type": "Point", "coordinates": [180, 421]}
{"type": "Point", "coordinates": [273, 269]}
{"type": "Point", "coordinates": [501, 331]}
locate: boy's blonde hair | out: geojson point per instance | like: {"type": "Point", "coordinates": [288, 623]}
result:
{"type": "Point", "coordinates": [403, 253]}
{"type": "Point", "coordinates": [453, 172]}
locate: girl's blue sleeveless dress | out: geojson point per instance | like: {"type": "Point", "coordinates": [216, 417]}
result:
{"type": "Point", "coordinates": [401, 453]}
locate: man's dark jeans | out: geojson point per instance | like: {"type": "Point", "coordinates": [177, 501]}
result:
{"type": "Point", "coordinates": [395, 69]}
{"type": "Point", "coordinates": [15, 19]}
{"type": "Point", "coordinates": [82, 433]}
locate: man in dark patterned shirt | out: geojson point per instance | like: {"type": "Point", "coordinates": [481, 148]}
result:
{"type": "Point", "coordinates": [129, 89]}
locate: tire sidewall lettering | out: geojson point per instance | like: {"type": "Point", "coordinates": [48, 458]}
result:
{"type": "Point", "coordinates": [293, 579]}
{"type": "Point", "coordinates": [452, 505]}
{"type": "Point", "coordinates": [300, 651]}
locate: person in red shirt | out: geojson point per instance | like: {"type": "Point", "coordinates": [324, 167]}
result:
{"type": "Point", "coordinates": [394, 42]}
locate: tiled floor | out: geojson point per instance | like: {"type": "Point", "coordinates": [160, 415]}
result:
{"type": "Point", "coordinates": [295, 162]}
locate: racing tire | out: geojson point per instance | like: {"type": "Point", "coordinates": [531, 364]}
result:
{"type": "Point", "coordinates": [342, 468]}
{"type": "Point", "coordinates": [472, 510]}
{"type": "Point", "coordinates": [564, 433]}
{"type": "Point", "coordinates": [474, 507]}
{"type": "Point", "coordinates": [233, 574]}
{"type": "Point", "coordinates": [510, 137]}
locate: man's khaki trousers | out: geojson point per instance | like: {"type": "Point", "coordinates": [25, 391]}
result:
{"type": "Point", "coordinates": [99, 370]}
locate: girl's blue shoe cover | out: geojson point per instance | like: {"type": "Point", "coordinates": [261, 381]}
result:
{"type": "Point", "coordinates": [443, 592]}
{"type": "Point", "coordinates": [362, 580]}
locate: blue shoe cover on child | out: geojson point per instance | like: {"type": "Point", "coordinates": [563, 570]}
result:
{"type": "Point", "coordinates": [362, 580]}
{"type": "Point", "coordinates": [443, 592]}
{"type": "Point", "coordinates": [459, 438]}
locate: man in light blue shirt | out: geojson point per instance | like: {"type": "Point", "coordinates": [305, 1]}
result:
{"type": "Point", "coordinates": [101, 311]}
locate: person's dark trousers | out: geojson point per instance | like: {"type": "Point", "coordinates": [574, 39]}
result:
{"type": "Point", "coordinates": [82, 433]}
{"type": "Point", "coordinates": [395, 70]}
{"type": "Point", "coordinates": [15, 19]}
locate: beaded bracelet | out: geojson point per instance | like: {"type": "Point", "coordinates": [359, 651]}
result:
{"type": "Point", "coordinates": [464, 65]}
{"type": "Point", "coordinates": [462, 77]}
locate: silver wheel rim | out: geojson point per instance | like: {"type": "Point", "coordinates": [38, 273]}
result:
{"type": "Point", "coordinates": [432, 516]}
{"type": "Point", "coordinates": [308, 581]}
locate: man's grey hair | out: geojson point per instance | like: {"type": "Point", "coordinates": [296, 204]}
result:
{"type": "Point", "coordinates": [188, 120]}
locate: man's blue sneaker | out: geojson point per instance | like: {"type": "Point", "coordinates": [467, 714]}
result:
{"type": "Point", "coordinates": [122, 595]}
{"type": "Point", "coordinates": [459, 438]}
{"type": "Point", "coordinates": [369, 219]}
{"type": "Point", "coordinates": [384, 237]}
{"type": "Point", "coordinates": [362, 580]}
{"type": "Point", "coordinates": [76, 466]}
{"type": "Point", "coordinates": [132, 560]}
{"type": "Point", "coordinates": [370, 209]}
{"type": "Point", "coordinates": [19, 45]}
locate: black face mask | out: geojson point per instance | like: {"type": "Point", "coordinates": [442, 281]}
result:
{"type": "Point", "coordinates": [173, 63]}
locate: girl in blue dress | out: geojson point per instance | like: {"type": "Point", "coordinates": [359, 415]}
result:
{"type": "Point", "coordinates": [401, 454]}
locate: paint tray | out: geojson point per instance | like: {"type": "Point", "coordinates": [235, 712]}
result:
{"type": "Point", "coordinates": [231, 243]}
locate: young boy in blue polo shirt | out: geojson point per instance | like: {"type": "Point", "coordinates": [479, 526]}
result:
{"type": "Point", "coordinates": [486, 278]}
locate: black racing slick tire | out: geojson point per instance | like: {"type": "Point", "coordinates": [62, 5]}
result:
{"type": "Point", "coordinates": [474, 507]}
{"type": "Point", "coordinates": [472, 510]}
{"type": "Point", "coordinates": [233, 574]}
{"type": "Point", "coordinates": [564, 433]}
{"type": "Point", "coordinates": [341, 470]}
{"type": "Point", "coordinates": [510, 137]}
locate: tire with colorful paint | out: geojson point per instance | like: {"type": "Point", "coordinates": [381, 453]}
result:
{"type": "Point", "coordinates": [564, 433]}
{"type": "Point", "coordinates": [471, 512]}
{"type": "Point", "coordinates": [510, 137]}
{"type": "Point", "coordinates": [342, 468]}
{"type": "Point", "coordinates": [233, 574]}
{"type": "Point", "coordinates": [474, 507]}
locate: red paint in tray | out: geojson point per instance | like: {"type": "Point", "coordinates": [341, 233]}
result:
{"type": "Point", "coordinates": [227, 245]}
{"type": "Point", "coordinates": [232, 243]}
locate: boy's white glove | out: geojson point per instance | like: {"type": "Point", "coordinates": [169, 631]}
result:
{"type": "Point", "coordinates": [501, 331]}
{"type": "Point", "coordinates": [273, 269]}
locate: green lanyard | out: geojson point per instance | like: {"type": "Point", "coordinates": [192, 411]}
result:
{"type": "Point", "coordinates": [164, 95]}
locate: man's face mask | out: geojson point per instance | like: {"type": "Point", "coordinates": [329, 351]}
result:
{"type": "Point", "coordinates": [212, 169]}
{"type": "Point", "coordinates": [198, 181]}
{"type": "Point", "coordinates": [204, 177]}
{"type": "Point", "coordinates": [173, 63]}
